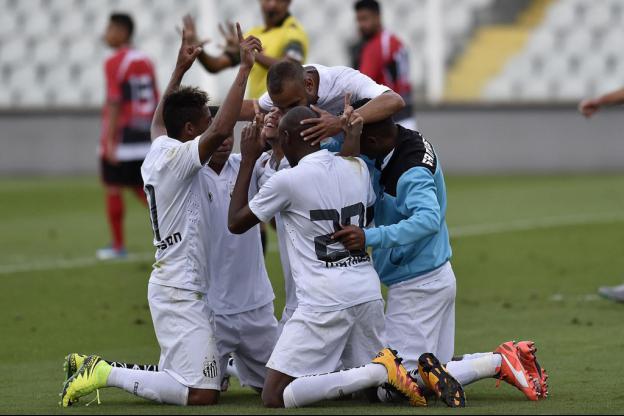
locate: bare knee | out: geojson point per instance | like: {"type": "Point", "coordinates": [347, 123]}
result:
{"type": "Point", "coordinates": [272, 399]}
{"type": "Point", "coordinates": [202, 397]}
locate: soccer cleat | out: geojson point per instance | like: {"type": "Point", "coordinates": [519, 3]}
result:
{"type": "Point", "coordinates": [92, 375]}
{"type": "Point", "coordinates": [513, 372]}
{"type": "Point", "coordinates": [110, 253]}
{"type": "Point", "coordinates": [438, 380]}
{"type": "Point", "coordinates": [526, 352]}
{"type": "Point", "coordinates": [399, 378]}
{"type": "Point", "coordinates": [72, 363]}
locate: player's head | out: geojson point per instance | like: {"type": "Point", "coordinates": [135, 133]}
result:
{"type": "Point", "coordinates": [274, 11]}
{"type": "Point", "coordinates": [290, 128]}
{"type": "Point", "coordinates": [119, 30]}
{"type": "Point", "coordinates": [289, 86]}
{"type": "Point", "coordinates": [186, 113]}
{"type": "Point", "coordinates": [368, 14]}
{"type": "Point", "coordinates": [377, 138]}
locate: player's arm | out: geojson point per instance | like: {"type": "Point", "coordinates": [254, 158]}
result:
{"type": "Point", "coordinates": [352, 124]}
{"type": "Point", "coordinates": [113, 109]}
{"type": "Point", "coordinates": [293, 51]}
{"type": "Point", "coordinates": [417, 199]}
{"type": "Point", "coordinates": [226, 118]}
{"type": "Point", "coordinates": [381, 107]}
{"type": "Point", "coordinates": [213, 64]}
{"type": "Point", "coordinates": [240, 216]}
{"type": "Point", "coordinates": [590, 106]}
{"type": "Point", "coordinates": [186, 56]}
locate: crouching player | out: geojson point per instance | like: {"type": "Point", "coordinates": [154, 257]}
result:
{"type": "Point", "coordinates": [411, 253]}
{"type": "Point", "coordinates": [340, 319]}
{"type": "Point", "coordinates": [184, 138]}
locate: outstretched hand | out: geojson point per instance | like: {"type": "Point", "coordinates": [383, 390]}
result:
{"type": "Point", "coordinates": [249, 47]}
{"type": "Point", "coordinates": [187, 54]}
{"type": "Point", "coordinates": [252, 144]}
{"type": "Point", "coordinates": [351, 121]}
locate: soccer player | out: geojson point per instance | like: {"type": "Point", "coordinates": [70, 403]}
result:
{"type": "Point", "coordinates": [282, 35]}
{"type": "Point", "coordinates": [412, 252]}
{"type": "Point", "coordinates": [184, 138]}
{"type": "Point", "coordinates": [131, 98]}
{"type": "Point", "coordinates": [289, 85]}
{"type": "Point", "coordinates": [239, 291]}
{"type": "Point", "coordinates": [383, 57]}
{"type": "Point", "coordinates": [339, 319]}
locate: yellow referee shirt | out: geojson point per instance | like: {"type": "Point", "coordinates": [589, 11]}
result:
{"type": "Point", "coordinates": [288, 39]}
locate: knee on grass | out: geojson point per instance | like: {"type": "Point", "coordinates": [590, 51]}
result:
{"type": "Point", "coordinates": [202, 397]}
{"type": "Point", "coordinates": [272, 399]}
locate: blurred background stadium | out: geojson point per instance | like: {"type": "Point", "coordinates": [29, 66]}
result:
{"type": "Point", "coordinates": [496, 81]}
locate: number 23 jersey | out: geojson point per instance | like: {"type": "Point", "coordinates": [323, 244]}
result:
{"type": "Point", "coordinates": [313, 199]}
{"type": "Point", "coordinates": [170, 174]}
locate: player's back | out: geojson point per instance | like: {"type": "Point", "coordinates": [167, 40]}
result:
{"type": "Point", "coordinates": [314, 198]}
{"type": "Point", "coordinates": [170, 173]}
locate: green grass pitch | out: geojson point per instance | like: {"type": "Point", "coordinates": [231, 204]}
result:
{"type": "Point", "coordinates": [529, 253]}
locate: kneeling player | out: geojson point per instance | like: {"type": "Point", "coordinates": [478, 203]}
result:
{"type": "Point", "coordinates": [339, 320]}
{"type": "Point", "coordinates": [183, 140]}
{"type": "Point", "coordinates": [411, 252]}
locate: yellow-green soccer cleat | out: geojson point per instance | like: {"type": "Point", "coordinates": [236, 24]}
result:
{"type": "Point", "coordinates": [92, 375]}
{"type": "Point", "coordinates": [438, 380]}
{"type": "Point", "coordinates": [72, 363]}
{"type": "Point", "coordinates": [399, 378]}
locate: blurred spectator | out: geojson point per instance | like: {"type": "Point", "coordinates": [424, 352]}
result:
{"type": "Point", "coordinates": [131, 98]}
{"type": "Point", "coordinates": [381, 55]}
{"type": "Point", "coordinates": [282, 37]}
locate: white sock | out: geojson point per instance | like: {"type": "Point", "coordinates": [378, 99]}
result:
{"type": "Point", "coordinates": [152, 385]}
{"type": "Point", "coordinates": [475, 355]}
{"type": "Point", "coordinates": [231, 369]}
{"type": "Point", "coordinates": [470, 370]}
{"type": "Point", "coordinates": [307, 390]}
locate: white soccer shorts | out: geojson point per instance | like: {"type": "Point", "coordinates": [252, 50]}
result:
{"type": "Point", "coordinates": [188, 347]}
{"type": "Point", "coordinates": [250, 337]}
{"type": "Point", "coordinates": [323, 342]}
{"type": "Point", "coordinates": [420, 316]}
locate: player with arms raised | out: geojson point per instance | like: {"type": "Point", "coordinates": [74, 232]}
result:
{"type": "Point", "coordinates": [184, 138]}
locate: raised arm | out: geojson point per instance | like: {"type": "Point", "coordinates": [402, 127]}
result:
{"type": "Point", "coordinates": [240, 216]}
{"type": "Point", "coordinates": [352, 124]}
{"type": "Point", "coordinates": [381, 107]}
{"type": "Point", "coordinates": [228, 114]}
{"type": "Point", "coordinates": [590, 106]}
{"type": "Point", "coordinates": [186, 56]}
{"type": "Point", "coordinates": [214, 64]}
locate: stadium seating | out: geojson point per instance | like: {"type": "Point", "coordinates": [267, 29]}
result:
{"type": "Point", "coordinates": [51, 51]}
{"type": "Point", "coordinates": [575, 52]}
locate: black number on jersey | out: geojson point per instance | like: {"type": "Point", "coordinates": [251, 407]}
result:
{"type": "Point", "coordinates": [322, 242]}
{"type": "Point", "coordinates": [151, 199]}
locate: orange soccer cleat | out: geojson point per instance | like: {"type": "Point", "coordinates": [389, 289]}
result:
{"type": "Point", "coordinates": [526, 352]}
{"type": "Point", "coordinates": [513, 372]}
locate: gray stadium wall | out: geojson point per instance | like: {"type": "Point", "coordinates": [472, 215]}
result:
{"type": "Point", "coordinates": [468, 139]}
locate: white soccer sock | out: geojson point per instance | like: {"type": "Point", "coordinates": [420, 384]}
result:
{"type": "Point", "coordinates": [152, 385]}
{"type": "Point", "coordinates": [231, 369]}
{"type": "Point", "coordinates": [475, 355]}
{"type": "Point", "coordinates": [307, 390]}
{"type": "Point", "coordinates": [470, 370]}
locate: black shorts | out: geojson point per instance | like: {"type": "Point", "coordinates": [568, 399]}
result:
{"type": "Point", "coordinates": [122, 174]}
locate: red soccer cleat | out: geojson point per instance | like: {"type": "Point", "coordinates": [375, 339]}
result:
{"type": "Point", "coordinates": [526, 352]}
{"type": "Point", "coordinates": [513, 372]}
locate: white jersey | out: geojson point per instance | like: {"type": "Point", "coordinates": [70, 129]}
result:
{"type": "Point", "coordinates": [237, 277]}
{"type": "Point", "coordinates": [334, 83]}
{"type": "Point", "coordinates": [289, 283]}
{"type": "Point", "coordinates": [313, 198]}
{"type": "Point", "coordinates": [170, 174]}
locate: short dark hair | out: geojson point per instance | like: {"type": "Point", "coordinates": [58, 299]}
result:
{"type": "Point", "coordinates": [184, 105]}
{"type": "Point", "coordinates": [283, 71]}
{"type": "Point", "coordinates": [124, 20]}
{"type": "Point", "coordinates": [372, 5]}
{"type": "Point", "coordinates": [378, 128]}
{"type": "Point", "coordinates": [291, 121]}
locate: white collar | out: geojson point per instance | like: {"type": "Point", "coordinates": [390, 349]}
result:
{"type": "Point", "coordinates": [386, 159]}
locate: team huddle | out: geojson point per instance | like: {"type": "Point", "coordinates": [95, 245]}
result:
{"type": "Point", "coordinates": [356, 199]}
